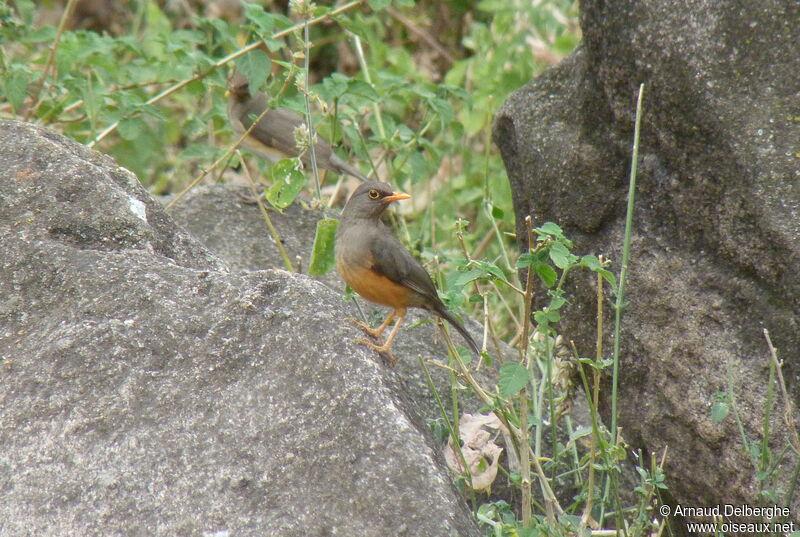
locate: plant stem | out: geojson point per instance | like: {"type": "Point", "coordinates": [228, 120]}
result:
{"type": "Point", "coordinates": [51, 56]}
{"type": "Point", "coordinates": [309, 124]}
{"type": "Point", "coordinates": [376, 110]}
{"type": "Point", "coordinates": [217, 162]}
{"type": "Point", "coordinates": [276, 238]}
{"type": "Point", "coordinates": [524, 436]}
{"type": "Point", "coordinates": [619, 304]}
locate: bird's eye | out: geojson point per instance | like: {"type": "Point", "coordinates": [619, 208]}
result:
{"type": "Point", "coordinates": [374, 194]}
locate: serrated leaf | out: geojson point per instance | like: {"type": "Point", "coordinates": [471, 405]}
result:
{"type": "Point", "coordinates": [513, 377]}
{"type": "Point", "coordinates": [322, 254]}
{"type": "Point", "coordinates": [45, 34]}
{"type": "Point", "coordinates": [362, 89]}
{"type": "Point", "coordinates": [546, 273]}
{"type": "Point", "coordinates": [15, 86]}
{"type": "Point", "coordinates": [591, 262]}
{"type": "Point", "coordinates": [561, 256]}
{"type": "Point", "coordinates": [719, 411]}
{"type": "Point", "coordinates": [528, 258]}
{"type": "Point", "coordinates": [287, 182]}
{"type": "Point", "coordinates": [131, 128]}
{"type": "Point", "coordinates": [546, 317]}
{"type": "Point", "coordinates": [557, 301]}
{"type": "Point", "coordinates": [255, 67]}
{"type": "Point", "coordinates": [377, 5]}
{"type": "Point", "coordinates": [580, 433]}
{"type": "Point", "coordinates": [610, 278]}
{"type": "Point", "coordinates": [332, 87]}
{"type": "Point", "coordinates": [492, 269]}
{"type": "Point", "coordinates": [553, 230]}
{"type": "Point", "coordinates": [200, 151]}
{"type": "Point", "coordinates": [263, 20]}
{"type": "Point", "coordinates": [461, 279]}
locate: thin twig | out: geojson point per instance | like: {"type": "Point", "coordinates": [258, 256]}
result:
{"type": "Point", "coordinates": [368, 79]}
{"type": "Point", "coordinates": [217, 162]}
{"type": "Point", "coordinates": [312, 136]}
{"type": "Point", "coordinates": [51, 56]}
{"type": "Point", "coordinates": [788, 411]}
{"type": "Point", "coordinates": [276, 238]}
{"type": "Point", "coordinates": [422, 34]}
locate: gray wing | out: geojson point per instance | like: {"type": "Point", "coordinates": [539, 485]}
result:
{"type": "Point", "coordinates": [276, 129]}
{"type": "Point", "coordinates": [391, 259]}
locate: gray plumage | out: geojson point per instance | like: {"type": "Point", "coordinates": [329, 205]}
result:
{"type": "Point", "coordinates": [273, 137]}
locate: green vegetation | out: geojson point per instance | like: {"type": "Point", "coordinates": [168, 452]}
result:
{"type": "Point", "coordinates": [409, 91]}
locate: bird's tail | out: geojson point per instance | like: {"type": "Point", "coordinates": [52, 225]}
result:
{"type": "Point", "coordinates": [345, 167]}
{"type": "Point", "coordinates": [446, 315]}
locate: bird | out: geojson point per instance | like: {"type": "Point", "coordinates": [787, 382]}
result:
{"type": "Point", "coordinates": [273, 137]}
{"type": "Point", "coordinates": [379, 268]}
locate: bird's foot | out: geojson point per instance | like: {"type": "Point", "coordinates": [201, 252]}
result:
{"type": "Point", "coordinates": [374, 332]}
{"type": "Point", "coordinates": [384, 350]}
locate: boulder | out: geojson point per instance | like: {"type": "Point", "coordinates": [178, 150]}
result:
{"type": "Point", "coordinates": [149, 388]}
{"type": "Point", "coordinates": [716, 245]}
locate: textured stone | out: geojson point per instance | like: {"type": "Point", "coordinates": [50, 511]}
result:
{"type": "Point", "coordinates": [717, 223]}
{"type": "Point", "coordinates": [148, 389]}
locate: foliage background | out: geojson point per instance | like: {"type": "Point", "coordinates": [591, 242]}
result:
{"type": "Point", "coordinates": [417, 105]}
{"type": "Point", "coordinates": [408, 90]}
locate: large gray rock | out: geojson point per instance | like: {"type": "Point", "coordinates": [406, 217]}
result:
{"type": "Point", "coordinates": [238, 235]}
{"type": "Point", "coordinates": [147, 389]}
{"type": "Point", "coordinates": [716, 245]}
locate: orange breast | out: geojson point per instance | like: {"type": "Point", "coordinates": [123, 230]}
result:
{"type": "Point", "coordinates": [375, 287]}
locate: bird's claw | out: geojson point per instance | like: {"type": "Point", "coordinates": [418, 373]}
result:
{"type": "Point", "coordinates": [384, 350]}
{"type": "Point", "coordinates": [366, 328]}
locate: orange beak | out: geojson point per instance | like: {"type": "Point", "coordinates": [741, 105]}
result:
{"type": "Point", "coordinates": [396, 196]}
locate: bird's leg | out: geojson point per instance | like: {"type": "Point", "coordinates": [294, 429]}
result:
{"type": "Point", "coordinates": [377, 332]}
{"type": "Point", "coordinates": [386, 348]}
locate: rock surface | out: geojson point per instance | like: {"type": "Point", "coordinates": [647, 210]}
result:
{"type": "Point", "coordinates": [716, 243]}
{"type": "Point", "coordinates": [148, 389]}
{"type": "Point", "coordinates": [238, 235]}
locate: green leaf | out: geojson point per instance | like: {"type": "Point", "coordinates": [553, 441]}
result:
{"type": "Point", "coordinates": [201, 151]}
{"type": "Point", "coordinates": [557, 301]}
{"type": "Point", "coordinates": [461, 279]}
{"type": "Point", "coordinates": [561, 256]}
{"type": "Point", "coordinates": [591, 262]}
{"type": "Point", "coordinates": [492, 269]}
{"type": "Point", "coordinates": [255, 67]}
{"type": "Point", "coordinates": [131, 128]}
{"type": "Point", "coordinates": [263, 20]}
{"type": "Point", "coordinates": [15, 86]}
{"type": "Point", "coordinates": [45, 34]}
{"type": "Point", "coordinates": [580, 433]}
{"type": "Point", "coordinates": [546, 317]}
{"type": "Point", "coordinates": [322, 254]}
{"type": "Point", "coordinates": [546, 273]}
{"type": "Point", "coordinates": [497, 213]}
{"type": "Point", "coordinates": [527, 259]}
{"type": "Point", "coordinates": [377, 5]}
{"type": "Point", "coordinates": [554, 231]}
{"type": "Point", "coordinates": [610, 278]}
{"type": "Point", "coordinates": [719, 411]}
{"type": "Point", "coordinates": [362, 89]}
{"type": "Point", "coordinates": [287, 182]}
{"type": "Point", "coordinates": [332, 87]}
{"type": "Point", "coordinates": [513, 377]}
